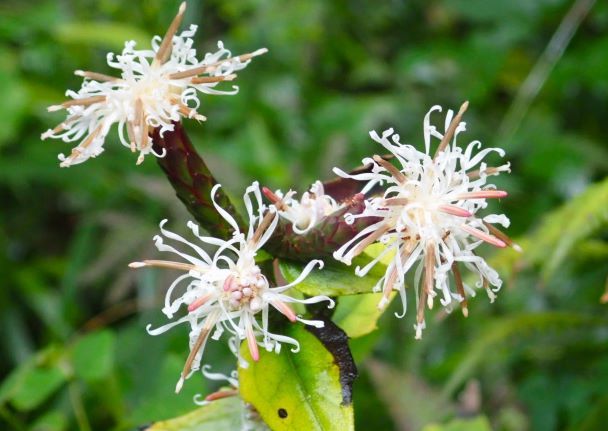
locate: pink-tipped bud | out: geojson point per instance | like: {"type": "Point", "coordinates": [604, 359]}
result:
{"type": "Point", "coordinates": [272, 197]}
{"type": "Point", "coordinates": [221, 394]}
{"type": "Point", "coordinates": [483, 194]}
{"type": "Point", "coordinates": [284, 309]}
{"type": "Point", "coordinates": [228, 283]}
{"type": "Point", "coordinates": [454, 210]}
{"type": "Point", "coordinates": [483, 236]}
{"type": "Point", "coordinates": [252, 344]}
{"type": "Point", "coordinates": [198, 303]}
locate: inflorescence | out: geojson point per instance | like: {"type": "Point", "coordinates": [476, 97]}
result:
{"type": "Point", "coordinates": [425, 209]}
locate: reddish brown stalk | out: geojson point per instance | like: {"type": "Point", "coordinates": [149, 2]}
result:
{"type": "Point", "coordinates": [165, 48]}
{"type": "Point", "coordinates": [429, 272]}
{"type": "Point", "coordinates": [276, 201]}
{"type": "Point", "coordinates": [370, 239]}
{"type": "Point", "coordinates": [449, 134]}
{"type": "Point", "coordinates": [221, 394]}
{"type": "Point", "coordinates": [395, 201]}
{"type": "Point", "coordinates": [211, 79]}
{"type": "Point", "coordinates": [268, 218]}
{"type": "Point", "coordinates": [396, 173]}
{"type": "Point", "coordinates": [85, 101]}
{"type": "Point", "coordinates": [460, 289]}
{"type": "Point", "coordinates": [488, 171]}
{"type": "Point", "coordinates": [502, 236]}
{"type": "Point", "coordinates": [100, 77]}
{"type": "Point", "coordinates": [200, 341]}
{"type": "Point", "coordinates": [210, 67]}
{"type": "Point", "coordinates": [192, 181]}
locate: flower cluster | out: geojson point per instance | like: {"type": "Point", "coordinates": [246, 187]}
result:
{"type": "Point", "coordinates": [425, 208]}
{"type": "Point", "coordinates": [227, 290]}
{"type": "Point", "coordinates": [303, 214]}
{"type": "Point", "coordinates": [156, 87]}
{"type": "Point", "coordinates": [427, 217]}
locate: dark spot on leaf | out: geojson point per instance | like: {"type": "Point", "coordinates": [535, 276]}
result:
{"type": "Point", "coordinates": [143, 427]}
{"type": "Point", "coordinates": [335, 341]}
{"type": "Point", "coordinates": [282, 413]}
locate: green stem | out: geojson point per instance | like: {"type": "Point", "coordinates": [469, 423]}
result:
{"type": "Point", "coordinates": [79, 410]}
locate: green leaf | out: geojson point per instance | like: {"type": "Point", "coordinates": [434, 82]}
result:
{"type": "Point", "coordinates": [578, 219]}
{"type": "Point", "coordinates": [221, 415]}
{"type": "Point", "coordinates": [479, 423]}
{"type": "Point", "coordinates": [93, 355]}
{"type": "Point", "coordinates": [358, 315]}
{"type": "Point", "coordinates": [34, 385]}
{"type": "Point", "coordinates": [335, 279]}
{"type": "Point", "coordinates": [297, 391]}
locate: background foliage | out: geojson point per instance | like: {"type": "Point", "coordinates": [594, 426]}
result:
{"type": "Point", "coordinates": [74, 353]}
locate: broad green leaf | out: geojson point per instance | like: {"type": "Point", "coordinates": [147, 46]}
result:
{"type": "Point", "coordinates": [479, 423]}
{"type": "Point", "coordinates": [35, 385]}
{"type": "Point", "coordinates": [35, 380]}
{"type": "Point", "coordinates": [222, 415]}
{"type": "Point", "coordinates": [335, 279]}
{"type": "Point", "coordinates": [297, 391]}
{"type": "Point", "coordinates": [358, 315]}
{"type": "Point", "coordinates": [105, 35]}
{"type": "Point", "coordinates": [93, 355]}
{"type": "Point", "coordinates": [12, 385]}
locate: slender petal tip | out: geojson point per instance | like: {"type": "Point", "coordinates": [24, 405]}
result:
{"type": "Point", "coordinates": [179, 385]}
{"type": "Point", "coordinates": [260, 51]}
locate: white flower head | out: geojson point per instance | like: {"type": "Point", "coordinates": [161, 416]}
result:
{"type": "Point", "coordinates": [428, 217]}
{"type": "Point", "coordinates": [156, 88]}
{"type": "Point", "coordinates": [226, 290]}
{"type": "Point", "coordinates": [306, 213]}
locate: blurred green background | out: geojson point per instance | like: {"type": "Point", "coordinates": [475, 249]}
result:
{"type": "Point", "coordinates": [74, 354]}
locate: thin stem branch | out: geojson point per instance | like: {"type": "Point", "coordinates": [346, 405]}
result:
{"type": "Point", "coordinates": [79, 410]}
{"type": "Point", "coordinates": [537, 77]}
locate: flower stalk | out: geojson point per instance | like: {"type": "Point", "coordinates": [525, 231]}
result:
{"type": "Point", "coordinates": [192, 181]}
